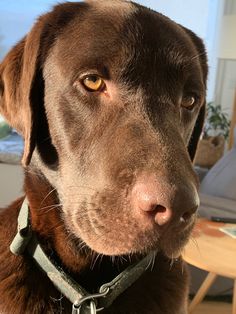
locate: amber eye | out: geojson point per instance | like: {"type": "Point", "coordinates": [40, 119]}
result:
{"type": "Point", "coordinates": [93, 83]}
{"type": "Point", "coordinates": [188, 102]}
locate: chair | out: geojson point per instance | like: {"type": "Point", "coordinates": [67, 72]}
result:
{"type": "Point", "coordinates": [217, 198]}
{"type": "Point", "coordinates": [218, 187]}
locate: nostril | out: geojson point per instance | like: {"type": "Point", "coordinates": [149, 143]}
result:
{"type": "Point", "coordinates": [185, 217]}
{"type": "Point", "coordinates": [188, 214]}
{"type": "Point", "coordinates": [159, 209]}
{"type": "Point", "coordinates": [162, 215]}
{"type": "Point", "coordinates": [159, 213]}
{"type": "Point", "coordinates": [153, 208]}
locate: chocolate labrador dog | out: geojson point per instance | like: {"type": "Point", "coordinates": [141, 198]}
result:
{"type": "Point", "coordinates": [109, 98]}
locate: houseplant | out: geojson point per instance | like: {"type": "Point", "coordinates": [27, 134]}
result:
{"type": "Point", "coordinates": [5, 129]}
{"type": "Point", "coordinates": [215, 133]}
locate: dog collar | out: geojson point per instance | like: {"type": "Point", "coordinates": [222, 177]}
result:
{"type": "Point", "coordinates": [82, 301]}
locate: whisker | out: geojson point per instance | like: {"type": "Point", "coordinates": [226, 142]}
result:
{"type": "Point", "coordinates": [49, 193]}
{"type": "Point", "coordinates": [48, 210]}
{"type": "Point", "coordinates": [172, 261]}
{"type": "Point", "coordinates": [49, 206]}
{"type": "Point", "coordinates": [95, 259]}
{"type": "Point", "coordinates": [150, 264]}
{"type": "Point", "coordinates": [153, 260]}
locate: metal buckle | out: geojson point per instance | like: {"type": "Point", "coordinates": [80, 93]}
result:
{"type": "Point", "coordinates": [92, 308]}
{"type": "Point", "coordinates": [92, 299]}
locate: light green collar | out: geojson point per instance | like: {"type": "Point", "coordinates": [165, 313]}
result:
{"type": "Point", "coordinates": [82, 301]}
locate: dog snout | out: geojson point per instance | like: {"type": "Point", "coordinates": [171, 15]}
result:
{"type": "Point", "coordinates": [164, 201]}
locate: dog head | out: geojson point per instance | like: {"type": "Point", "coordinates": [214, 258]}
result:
{"type": "Point", "coordinates": [110, 102]}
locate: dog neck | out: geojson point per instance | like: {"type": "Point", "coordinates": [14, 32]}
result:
{"type": "Point", "coordinates": [84, 265]}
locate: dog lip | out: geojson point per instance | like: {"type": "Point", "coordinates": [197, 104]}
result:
{"type": "Point", "coordinates": [146, 225]}
{"type": "Point", "coordinates": [180, 230]}
{"type": "Point", "coordinates": [146, 237]}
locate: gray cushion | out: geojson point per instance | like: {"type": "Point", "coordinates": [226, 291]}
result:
{"type": "Point", "coordinates": [221, 179]}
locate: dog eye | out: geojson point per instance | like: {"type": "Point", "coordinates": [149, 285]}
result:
{"type": "Point", "coordinates": [188, 102]}
{"type": "Point", "coordinates": [93, 83]}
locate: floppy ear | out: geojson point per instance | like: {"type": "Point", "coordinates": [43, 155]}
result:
{"type": "Point", "coordinates": [202, 57]}
{"type": "Point", "coordinates": [192, 146]}
{"type": "Point", "coordinates": [18, 77]}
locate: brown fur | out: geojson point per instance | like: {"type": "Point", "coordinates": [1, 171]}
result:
{"type": "Point", "coordinates": [85, 152]}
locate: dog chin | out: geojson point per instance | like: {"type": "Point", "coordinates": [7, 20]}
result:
{"type": "Point", "coordinates": [117, 247]}
{"type": "Point", "coordinates": [125, 249]}
{"type": "Point", "coordinates": [172, 253]}
{"type": "Point", "coordinates": [173, 249]}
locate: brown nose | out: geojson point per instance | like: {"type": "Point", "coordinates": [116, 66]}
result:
{"type": "Point", "coordinates": [164, 201]}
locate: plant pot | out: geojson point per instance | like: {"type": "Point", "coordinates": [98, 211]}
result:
{"type": "Point", "coordinates": [209, 151]}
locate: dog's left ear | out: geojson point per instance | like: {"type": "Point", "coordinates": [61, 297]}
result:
{"type": "Point", "coordinates": [192, 146]}
{"type": "Point", "coordinates": [202, 57]}
{"type": "Point", "coordinates": [19, 93]}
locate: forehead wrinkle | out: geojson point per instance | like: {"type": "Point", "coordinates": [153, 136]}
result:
{"type": "Point", "coordinates": [175, 57]}
{"type": "Point", "coordinates": [177, 49]}
{"type": "Point", "coordinates": [97, 42]}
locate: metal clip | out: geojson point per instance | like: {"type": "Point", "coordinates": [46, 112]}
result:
{"type": "Point", "coordinates": [92, 308]}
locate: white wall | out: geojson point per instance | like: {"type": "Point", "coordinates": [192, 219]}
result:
{"type": "Point", "coordinates": [11, 183]}
{"type": "Point", "coordinates": [191, 13]}
{"type": "Point", "coordinates": [226, 75]}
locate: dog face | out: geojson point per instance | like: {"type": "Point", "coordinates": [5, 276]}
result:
{"type": "Point", "coordinates": [112, 106]}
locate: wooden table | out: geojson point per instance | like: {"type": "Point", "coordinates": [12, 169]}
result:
{"type": "Point", "coordinates": [212, 250]}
